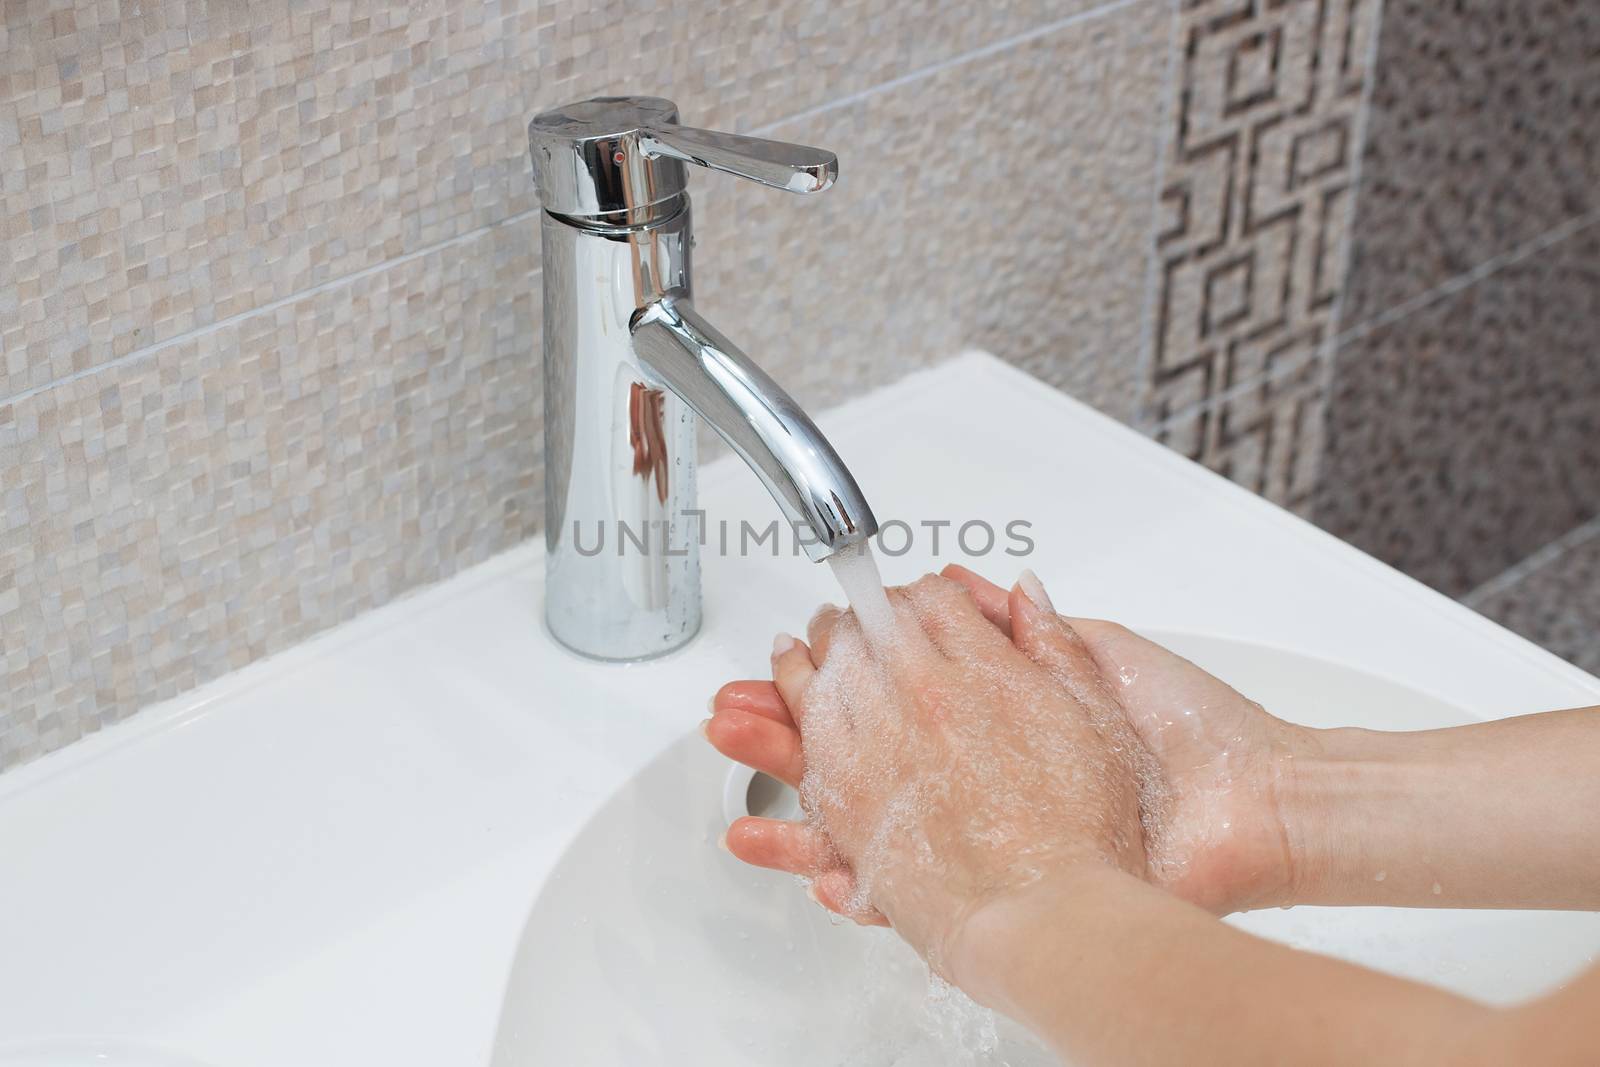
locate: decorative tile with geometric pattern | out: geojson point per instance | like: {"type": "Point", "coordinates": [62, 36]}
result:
{"type": "Point", "coordinates": [1266, 437]}
{"type": "Point", "coordinates": [1256, 193]}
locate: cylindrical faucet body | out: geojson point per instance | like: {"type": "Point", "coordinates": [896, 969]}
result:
{"type": "Point", "coordinates": [622, 573]}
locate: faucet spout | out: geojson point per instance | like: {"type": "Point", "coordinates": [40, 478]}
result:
{"type": "Point", "coordinates": [759, 420]}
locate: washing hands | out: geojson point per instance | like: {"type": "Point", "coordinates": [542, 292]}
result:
{"type": "Point", "coordinates": [1010, 743]}
{"type": "Point", "coordinates": [1053, 811]}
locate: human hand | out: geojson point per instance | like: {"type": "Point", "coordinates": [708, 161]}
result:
{"type": "Point", "coordinates": [1038, 913]}
{"type": "Point", "coordinates": [951, 766]}
{"type": "Point", "coordinates": [1227, 765]}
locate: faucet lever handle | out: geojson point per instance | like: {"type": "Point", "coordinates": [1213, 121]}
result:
{"type": "Point", "coordinates": [794, 168]}
{"type": "Point", "coordinates": [619, 160]}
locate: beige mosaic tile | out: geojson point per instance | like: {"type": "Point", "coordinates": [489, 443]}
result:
{"type": "Point", "coordinates": [170, 164]}
{"type": "Point", "coordinates": [183, 170]}
{"type": "Point", "coordinates": [941, 233]}
{"type": "Point", "coordinates": [179, 516]}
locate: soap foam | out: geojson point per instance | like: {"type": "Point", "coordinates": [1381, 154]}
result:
{"type": "Point", "coordinates": [1030, 772]}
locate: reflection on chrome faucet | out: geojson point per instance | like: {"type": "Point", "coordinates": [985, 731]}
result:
{"type": "Point", "coordinates": [629, 363]}
{"type": "Point", "coordinates": [647, 436]}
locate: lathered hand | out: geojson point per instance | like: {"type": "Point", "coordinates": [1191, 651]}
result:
{"type": "Point", "coordinates": [952, 767]}
{"type": "Point", "coordinates": [1038, 804]}
{"type": "Point", "coordinates": [1226, 765]}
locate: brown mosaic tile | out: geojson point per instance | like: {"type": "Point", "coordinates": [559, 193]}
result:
{"type": "Point", "coordinates": [1557, 603]}
{"type": "Point", "coordinates": [1467, 434]}
{"type": "Point", "coordinates": [1256, 189]}
{"type": "Point", "coordinates": [1482, 136]}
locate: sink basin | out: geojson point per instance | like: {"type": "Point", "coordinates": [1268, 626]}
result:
{"type": "Point", "coordinates": [86, 1053]}
{"type": "Point", "coordinates": [648, 944]}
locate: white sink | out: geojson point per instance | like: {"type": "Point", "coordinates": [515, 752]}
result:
{"type": "Point", "coordinates": [650, 945]}
{"type": "Point", "coordinates": [81, 1053]}
{"type": "Point", "coordinates": [382, 846]}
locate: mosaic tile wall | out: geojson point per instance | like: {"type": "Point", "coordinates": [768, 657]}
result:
{"type": "Point", "coordinates": [269, 297]}
{"type": "Point", "coordinates": [1553, 596]}
{"type": "Point", "coordinates": [1463, 424]}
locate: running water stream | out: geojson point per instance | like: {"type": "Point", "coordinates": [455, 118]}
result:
{"type": "Point", "coordinates": [856, 571]}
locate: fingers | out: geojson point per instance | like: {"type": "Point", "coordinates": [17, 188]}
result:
{"type": "Point", "coordinates": [830, 625]}
{"type": "Point", "coordinates": [792, 668]}
{"type": "Point", "coordinates": [1055, 642]}
{"type": "Point", "coordinates": [799, 849]}
{"type": "Point", "coordinates": [992, 600]}
{"type": "Point", "coordinates": [1047, 638]}
{"type": "Point", "coordinates": [950, 617]}
{"type": "Point", "coordinates": [757, 741]}
{"type": "Point", "coordinates": [755, 696]}
{"type": "Point", "coordinates": [780, 846]}
{"type": "Point", "coordinates": [835, 891]}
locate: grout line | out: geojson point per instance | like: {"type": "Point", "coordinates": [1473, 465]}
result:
{"type": "Point", "coordinates": [1489, 267]}
{"type": "Point", "coordinates": [1216, 400]}
{"type": "Point", "coordinates": [920, 73]}
{"type": "Point", "coordinates": [994, 48]}
{"type": "Point", "coordinates": [156, 347]}
{"type": "Point", "coordinates": [1363, 117]}
{"type": "Point", "coordinates": [1536, 560]}
{"type": "Point", "coordinates": [1330, 370]}
{"type": "Point", "coordinates": [1329, 347]}
{"type": "Point", "coordinates": [1165, 135]}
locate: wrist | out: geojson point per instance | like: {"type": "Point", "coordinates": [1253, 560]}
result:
{"type": "Point", "coordinates": [1261, 833]}
{"type": "Point", "coordinates": [1347, 808]}
{"type": "Point", "coordinates": [994, 950]}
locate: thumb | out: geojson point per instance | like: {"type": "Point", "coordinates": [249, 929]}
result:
{"type": "Point", "coordinates": [1050, 641]}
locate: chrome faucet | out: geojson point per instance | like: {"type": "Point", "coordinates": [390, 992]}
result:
{"type": "Point", "coordinates": [629, 362]}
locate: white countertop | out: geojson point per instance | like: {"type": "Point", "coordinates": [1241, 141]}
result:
{"type": "Point", "coordinates": [327, 857]}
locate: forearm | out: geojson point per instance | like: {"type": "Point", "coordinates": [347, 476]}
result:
{"type": "Point", "coordinates": [1497, 814]}
{"type": "Point", "coordinates": [1113, 971]}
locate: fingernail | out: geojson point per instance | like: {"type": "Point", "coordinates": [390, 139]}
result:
{"type": "Point", "coordinates": [1033, 589]}
{"type": "Point", "coordinates": [703, 731]}
{"type": "Point", "coordinates": [781, 644]}
{"type": "Point", "coordinates": [722, 842]}
{"type": "Point", "coordinates": [811, 891]}
{"type": "Point", "coordinates": [711, 703]}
